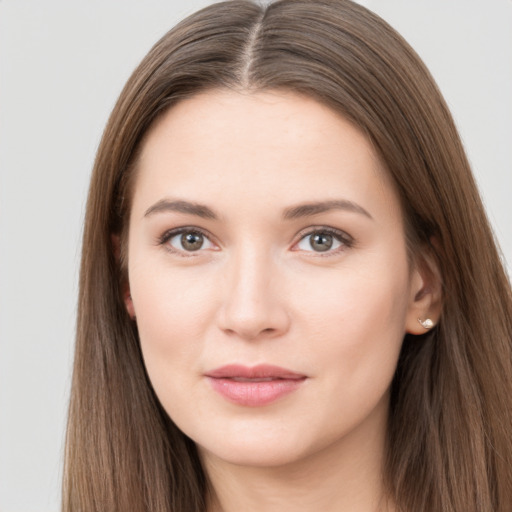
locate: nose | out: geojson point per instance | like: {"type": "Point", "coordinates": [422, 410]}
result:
{"type": "Point", "coordinates": [253, 303]}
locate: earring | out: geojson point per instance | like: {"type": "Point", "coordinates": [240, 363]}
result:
{"type": "Point", "coordinates": [427, 323]}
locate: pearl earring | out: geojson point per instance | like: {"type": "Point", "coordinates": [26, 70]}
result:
{"type": "Point", "coordinates": [427, 323]}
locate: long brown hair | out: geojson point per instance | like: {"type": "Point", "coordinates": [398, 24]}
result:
{"type": "Point", "coordinates": [450, 424]}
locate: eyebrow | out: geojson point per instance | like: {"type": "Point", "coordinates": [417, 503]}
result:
{"type": "Point", "coordinates": [295, 212]}
{"type": "Point", "coordinates": [306, 210]}
{"type": "Point", "coordinates": [165, 205]}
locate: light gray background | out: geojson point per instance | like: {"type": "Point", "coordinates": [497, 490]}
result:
{"type": "Point", "coordinates": [62, 65]}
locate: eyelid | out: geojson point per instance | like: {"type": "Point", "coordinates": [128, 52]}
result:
{"type": "Point", "coordinates": [171, 233]}
{"type": "Point", "coordinates": [343, 237]}
{"type": "Point", "coordinates": [346, 240]}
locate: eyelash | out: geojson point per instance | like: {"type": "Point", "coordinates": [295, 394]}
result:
{"type": "Point", "coordinates": [168, 235]}
{"type": "Point", "coordinates": [343, 238]}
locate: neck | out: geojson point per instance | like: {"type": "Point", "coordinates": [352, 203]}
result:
{"type": "Point", "coordinates": [347, 476]}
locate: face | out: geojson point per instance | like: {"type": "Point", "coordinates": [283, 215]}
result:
{"type": "Point", "coordinates": [268, 275]}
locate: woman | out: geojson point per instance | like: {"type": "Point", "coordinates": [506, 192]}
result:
{"type": "Point", "coordinates": [290, 296]}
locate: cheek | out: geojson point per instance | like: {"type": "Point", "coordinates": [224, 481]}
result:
{"type": "Point", "coordinates": [173, 309]}
{"type": "Point", "coordinates": [171, 315]}
{"type": "Point", "coordinates": [358, 323]}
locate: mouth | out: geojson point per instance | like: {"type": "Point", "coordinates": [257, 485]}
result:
{"type": "Point", "coordinates": [254, 386]}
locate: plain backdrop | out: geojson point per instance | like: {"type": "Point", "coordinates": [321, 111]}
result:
{"type": "Point", "coordinates": [62, 65]}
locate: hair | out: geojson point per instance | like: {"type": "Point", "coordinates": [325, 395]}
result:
{"type": "Point", "coordinates": [449, 438]}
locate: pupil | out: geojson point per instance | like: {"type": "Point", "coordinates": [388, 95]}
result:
{"type": "Point", "coordinates": [321, 242]}
{"type": "Point", "coordinates": [192, 241]}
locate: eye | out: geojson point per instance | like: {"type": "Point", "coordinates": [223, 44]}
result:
{"type": "Point", "coordinates": [323, 241]}
{"type": "Point", "coordinates": [186, 240]}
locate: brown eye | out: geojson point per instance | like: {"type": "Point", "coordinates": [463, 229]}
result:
{"type": "Point", "coordinates": [324, 241]}
{"type": "Point", "coordinates": [321, 242]}
{"type": "Point", "coordinates": [192, 241]}
{"type": "Point", "coordinates": [187, 241]}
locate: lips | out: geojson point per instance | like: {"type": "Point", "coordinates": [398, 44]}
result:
{"type": "Point", "coordinates": [254, 386]}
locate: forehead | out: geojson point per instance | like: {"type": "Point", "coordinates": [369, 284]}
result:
{"type": "Point", "coordinates": [262, 145]}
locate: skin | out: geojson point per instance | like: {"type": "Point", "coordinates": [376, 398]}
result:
{"type": "Point", "coordinates": [257, 291]}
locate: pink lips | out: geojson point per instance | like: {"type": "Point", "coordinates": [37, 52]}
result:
{"type": "Point", "coordinates": [254, 386]}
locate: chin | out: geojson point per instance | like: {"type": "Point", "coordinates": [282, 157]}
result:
{"type": "Point", "coordinates": [257, 454]}
{"type": "Point", "coordinates": [260, 443]}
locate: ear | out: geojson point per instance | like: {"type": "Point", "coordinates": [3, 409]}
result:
{"type": "Point", "coordinates": [125, 285]}
{"type": "Point", "coordinates": [426, 297]}
{"type": "Point", "coordinates": [128, 302]}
